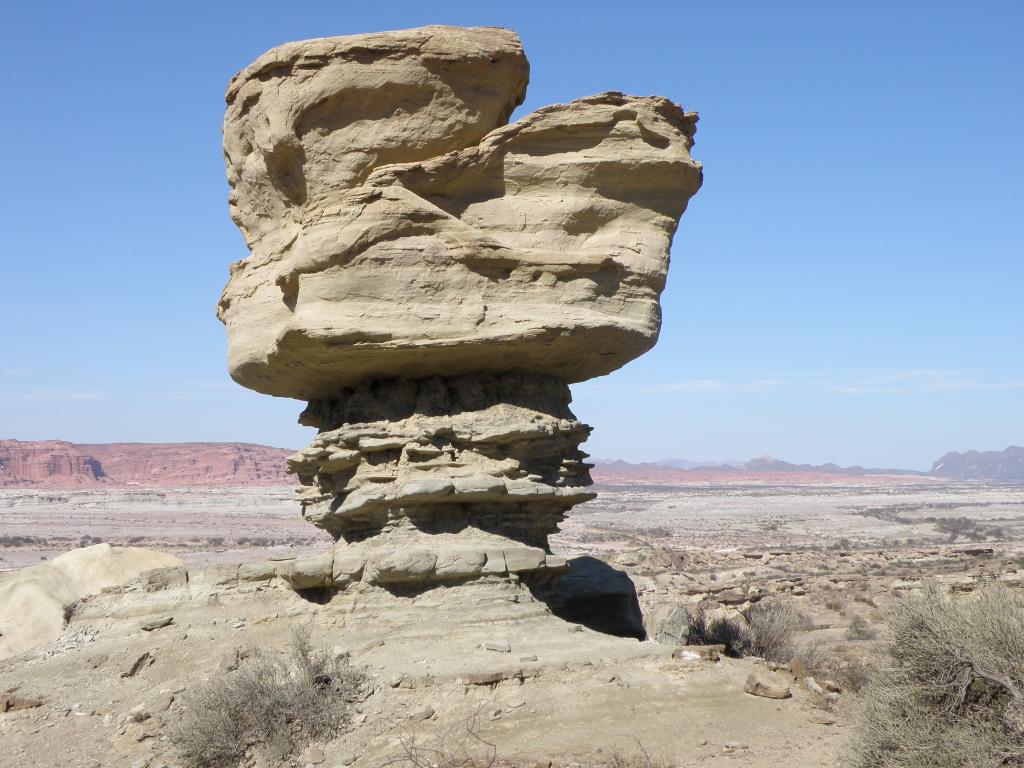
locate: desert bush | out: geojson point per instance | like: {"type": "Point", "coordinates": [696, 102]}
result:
{"type": "Point", "coordinates": [859, 629]}
{"type": "Point", "coordinates": [773, 625]}
{"type": "Point", "coordinates": [767, 630]}
{"type": "Point", "coordinates": [270, 704]}
{"type": "Point", "coordinates": [948, 685]}
{"type": "Point", "coordinates": [852, 673]}
{"type": "Point", "coordinates": [704, 630]}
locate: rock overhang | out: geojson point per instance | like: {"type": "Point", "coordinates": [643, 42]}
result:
{"type": "Point", "coordinates": [463, 245]}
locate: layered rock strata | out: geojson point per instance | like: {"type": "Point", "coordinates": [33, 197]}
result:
{"type": "Point", "coordinates": [398, 463]}
{"type": "Point", "coordinates": [431, 279]}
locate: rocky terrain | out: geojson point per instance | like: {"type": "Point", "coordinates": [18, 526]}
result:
{"type": "Point", "coordinates": [106, 691]}
{"type": "Point", "coordinates": [839, 553]}
{"type": "Point", "coordinates": [60, 464]}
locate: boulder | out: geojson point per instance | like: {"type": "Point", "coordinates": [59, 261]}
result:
{"type": "Point", "coordinates": [35, 602]}
{"type": "Point", "coordinates": [769, 685]}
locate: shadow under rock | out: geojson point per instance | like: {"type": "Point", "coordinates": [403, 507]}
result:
{"type": "Point", "coordinates": [594, 594]}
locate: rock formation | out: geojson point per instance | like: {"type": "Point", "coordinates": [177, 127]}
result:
{"type": "Point", "coordinates": [35, 602]}
{"type": "Point", "coordinates": [59, 464]}
{"type": "Point", "coordinates": [431, 279]}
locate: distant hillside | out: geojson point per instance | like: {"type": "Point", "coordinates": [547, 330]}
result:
{"type": "Point", "coordinates": [768, 464]}
{"type": "Point", "coordinates": [982, 465]}
{"type": "Point", "coordinates": [59, 464]}
{"type": "Point", "coordinates": [760, 465]}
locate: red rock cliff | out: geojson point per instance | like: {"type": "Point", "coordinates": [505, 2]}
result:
{"type": "Point", "coordinates": [56, 464]}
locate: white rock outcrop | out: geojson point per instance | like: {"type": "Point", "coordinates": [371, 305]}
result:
{"type": "Point", "coordinates": [35, 602]}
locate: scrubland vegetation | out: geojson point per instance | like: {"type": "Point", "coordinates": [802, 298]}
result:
{"type": "Point", "coordinates": [269, 704]}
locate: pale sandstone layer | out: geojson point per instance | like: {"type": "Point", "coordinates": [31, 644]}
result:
{"type": "Point", "coordinates": [36, 602]}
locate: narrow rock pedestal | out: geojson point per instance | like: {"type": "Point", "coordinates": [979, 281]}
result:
{"type": "Point", "coordinates": [444, 479]}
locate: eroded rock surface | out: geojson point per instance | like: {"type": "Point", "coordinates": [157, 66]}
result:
{"type": "Point", "coordinates": [399, 228]}
{"type": "Point", "coordinates": [37, 602]}
{"type": "Point", "coordinates": [430, 279]}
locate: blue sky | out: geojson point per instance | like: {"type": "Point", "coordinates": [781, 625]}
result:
{"type": "Point", "coordinates": [846, 287]}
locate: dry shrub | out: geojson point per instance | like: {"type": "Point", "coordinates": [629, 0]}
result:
{"type": "Point", "coordinates": [459, 746]}
{"type": "Point", "coordinates": [270, 704]}
{"type": "Point", "coordinates": [773, 626]}
{"type": "Point", "coordinates": [859, 629]}
{"type": "Point", "coordinates": [948, 687]}
{"type": "Point", "coordinates": [768, 630]}
{"type": "Point", "coordinates": [704, 630]}
{"type": "Point", "coordinates": [852, 673]}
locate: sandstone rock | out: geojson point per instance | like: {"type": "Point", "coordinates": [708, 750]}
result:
{"type": "Point", "coordinates": [670, 625]}
{"type": "Point", "coordinates": [702, 652]}
{"type": "Point", "coordinates": [517, 560]}
{"type": "Point", "coordinates": [157, 623]}
{"type": "Point", "coordinates": [33, 600]}
{"type": "Point", "coordinates": [322, 166]}
{"type": "Point", "coordinates": [157, 579]}
{"type": "Point", "coordinates": [403, 566]}
{"type": "Point", "coordinates": [138, 664]}
{"type": "Point", "coordinates": [812, 685]}
{"type": "Point", "coordinates": [308, 573]}
{"type": "Point", "coordinates": [14, 702]}
{"type": "Point", "coordinates": [320, 331]}
{"type": "Point", "coordinates": [767, 684]}
{"type": "Point", "coordinates": [422, 712]}
{"type": "Point", "coordinates": [459, 563]}
{"type": "Point", "coordinates": [259, 571]}
{"type": "Point", "coordinates": [229, 661]}
{"type": "Point", "coordinates": [430, 279]}
{"type": "Point", "coordinates": [346, 568]}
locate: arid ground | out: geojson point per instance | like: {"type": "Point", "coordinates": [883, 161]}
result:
{"type": "Point", "coordinates": [837, 550]}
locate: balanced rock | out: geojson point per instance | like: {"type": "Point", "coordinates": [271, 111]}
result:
{"type": "Point", "coordinates": [431, 279]}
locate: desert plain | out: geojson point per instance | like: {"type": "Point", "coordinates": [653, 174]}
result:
{"type": "Point", "coordinates": [837, 548]}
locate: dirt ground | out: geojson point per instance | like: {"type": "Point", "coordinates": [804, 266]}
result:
{"type": "Point", "coordinates": [203, 525]}
{"type": "Point", "coordinates": [562, 694]}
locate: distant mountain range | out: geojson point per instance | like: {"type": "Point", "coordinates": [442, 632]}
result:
{"type": "Point", "coordinates": [60, 464]}
{"type": "Point", "coordinates": [982, 465]}
{"type": "Point", "coordinates": [972, 465]}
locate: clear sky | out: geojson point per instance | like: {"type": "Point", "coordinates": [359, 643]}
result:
{"type": "Point", "coordinates": [847, 286]}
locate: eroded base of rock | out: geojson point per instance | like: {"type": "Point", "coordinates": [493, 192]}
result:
{"type": "Point", "coordinates": [438, 480]}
